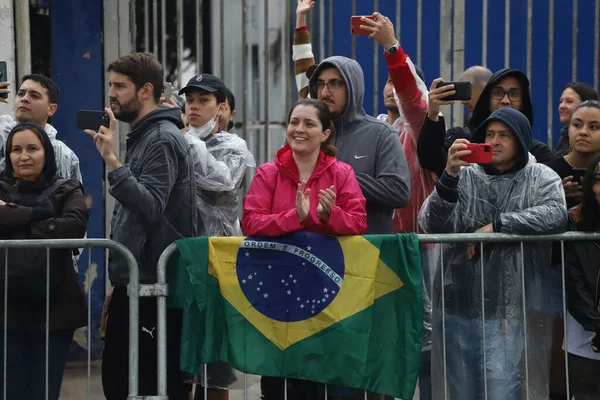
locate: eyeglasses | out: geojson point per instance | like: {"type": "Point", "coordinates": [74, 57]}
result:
{"type": "Point", "coordinates": [498, 94]}
{"type": "Point", "coordinates": [334, 84]}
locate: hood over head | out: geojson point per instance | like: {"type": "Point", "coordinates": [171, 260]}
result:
{"type": "Point", "coordinates": [519, 126]}
{"type": "Point", "coordinates": [353, 76]}
{"type": "Point", "coordinates": [49, 170]}
{"type": "Point", "coordinates": [482, 108]}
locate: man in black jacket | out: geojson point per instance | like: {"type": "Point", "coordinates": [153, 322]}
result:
{"type": "Point", "coordinates": [506, 88]}
{"type": "Point", "coordinates": [155, 191]}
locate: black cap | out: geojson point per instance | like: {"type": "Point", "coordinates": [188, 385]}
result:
{"type": "Point", "coordinates": [207, 82]}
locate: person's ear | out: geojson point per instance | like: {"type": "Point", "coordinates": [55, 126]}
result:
{"type": "Point", "coordinates": [52, 107]}
{"type": "Point", "coordinates": [326, 134]}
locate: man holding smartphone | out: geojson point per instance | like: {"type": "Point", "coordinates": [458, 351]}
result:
{"type": "Point", "coordinates": [37, 101]}
{"type": "Point", "coordinates": [155, 193]}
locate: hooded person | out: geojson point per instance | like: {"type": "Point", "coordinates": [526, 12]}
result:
{"type": "Point", "coordinates": [370, 146]}
{"type": "Point", "coordinates": [513, 195]}
{"type": "Point", "coordinates": [513, 86]}
{"type": "Point", "coordinates": [36, 204]}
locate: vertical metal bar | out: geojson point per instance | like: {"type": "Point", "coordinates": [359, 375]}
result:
{"type": "Point", "coordinates": [331, 10]}
{"type": "Point", "coordinates": [146, 26]}
{"type": "Point", "coordinates": [46, 375]}
{"type": "Point", "coordinates": [222, 39]}
{"type": "Point", "coordinates": [179, 28]}
{"type": "Point", "coordinates": [419, 31]}
{"type": "Point", "coordinates": [285, 396]}
{"type": "Point", "coordinates": [353, 37]}
{"type": "Point", "coordinates": [484, 33]}
{"type": "Point", "coordinates": [366, 395]}
{"type": "Point", "coordinates": [444, 359]}
{"type": "Point", "coordinates": [550, 107]}
{"type": "Point", "coordinates": [564, 304]}
{"type": "Point", "coordinates": [287, 50]}
{"type": "Point", "coordinates": [199, 27]}
{"type": "Point", "coordinates": [507, 34]}
{"type": "Point", "coordinates": [267, 83]}
{"type": "Point", "coordinates": [321, 30]}
{"type": "Point", "coordinates": [398, 18]}
{"type": "Point", "coordinates": [376, 56]}
{"type": "Point", "coordinates": [245, 386]}
{"type": "Point", "coordinates": [23, 41]}
{"type": "Point", "coordinates": [245, 67]}
{"type": "Point", "coordinates": [89, 324]}
{"type": "Point", "coordinates": [5, 330]}
{"type": "Point", "coordinates": [446, 46]}
{"type": "Point", "coordinates": [205, 381]}
{"type": "Point", "coordinates": [134, 326]}
{"type": "Point", "coordinates": [596, 44]}
{"type": "Point", "coordinates": [163, 33]}
{"type": "Point", "coordinates": [155, 28]}
{"type": "Point", "coordinates": [574, 45]}
{"type": "Point", "coordinates": [483, 341]}
{"type": "Point", "coordinates": [161, 330]}
{"type": "Point", "coordinates": [529, 37]}
{"type": "Point", "coordinates": [458, 53]}
{"type": "Point", "coordinates": [524, 304]}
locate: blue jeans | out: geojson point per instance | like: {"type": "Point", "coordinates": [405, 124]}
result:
{"type": "Point", "coordinates": [26, 364]}
{"type": "Point", "coordinates": [464, 350]}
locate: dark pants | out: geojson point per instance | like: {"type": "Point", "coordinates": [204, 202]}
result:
{"type": "Point", "coordinates": [26, 364]}
{"type": "Point", "coordinates": [584, 377]}
{"type": "Point", "coordinates": [273, 389]}
{"type": "Point", "coordinates": [425, 376]}
{"type": "Point", "coordinates": [115, 360]}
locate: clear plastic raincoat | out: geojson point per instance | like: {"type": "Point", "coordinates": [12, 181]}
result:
{"type": "Point", "coordinates": [525, 200]}
{"type": "Point", "coordinates": [221, 163]}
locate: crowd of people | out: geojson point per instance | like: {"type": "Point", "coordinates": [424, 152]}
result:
{"type": "Point", "coordinates": [341, 172]}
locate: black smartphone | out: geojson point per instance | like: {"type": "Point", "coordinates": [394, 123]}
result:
{"type": "Point", "coordinates": [462, 88]}
{"type": "Point", "coordinates": [92, 119]}
{"type": "Point", "coordinates": [578, 174]}
{"type": "Point", "coordinates": [3, 77]}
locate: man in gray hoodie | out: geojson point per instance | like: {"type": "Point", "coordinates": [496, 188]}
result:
{"type": "Point", "coordinates": [370, 146]}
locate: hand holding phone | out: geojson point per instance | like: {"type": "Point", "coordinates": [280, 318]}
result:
{"type": "Point", "coordinates": [4, 78]}
{"type": "Point", "coordinates": [356, 22]}
{"type": "Point", "coordinates": [167, 90]}
{"type": "Point", "coordinates": [481, 153]}
{"type": "Point", "coordinates": [578, 175]}
{"type": "Point", "coordinates": [92, 119]}
{"type": "Point", "coordinates": [462, 90]}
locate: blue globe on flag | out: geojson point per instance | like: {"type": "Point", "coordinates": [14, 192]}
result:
{"type": "Point", "coordinates": [290, 278]}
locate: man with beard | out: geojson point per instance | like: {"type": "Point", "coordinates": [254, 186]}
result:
{"type": "Point", "coordinates": [155, 193]}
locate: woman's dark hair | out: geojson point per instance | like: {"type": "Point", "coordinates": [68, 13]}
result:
{"type": "Point", "coordinates": [325, 118]}
{"type": "Point", "coordinates": [590, 210]}
{"type": "Point", "coordinates": [588, 104]}
{"type": "Point", "coordinates": [585, 92]}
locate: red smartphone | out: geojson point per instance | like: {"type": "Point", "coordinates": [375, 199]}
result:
{"type": "Point", "coordinates": [356, 22]}
{"type": "Point", "coordinates": [481, 153]}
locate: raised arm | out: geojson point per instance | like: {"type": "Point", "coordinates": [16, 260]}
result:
{"type": "Point", "coordinates": [302, 49]}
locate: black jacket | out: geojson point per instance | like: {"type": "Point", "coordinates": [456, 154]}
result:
{"type": "Point", "coordinates": [434, 140]}
{"type": "Point", "coordinates": [582, 278]}
{"type": "Point", "coordinates": [68, 308]}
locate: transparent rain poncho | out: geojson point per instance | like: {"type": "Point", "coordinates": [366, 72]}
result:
{"type": "Point", "coordinates": [66, 160]}
{"type": "Point", "coordinates": [528, 201]}
{"type": "Point", "coordinates": [220, 163]}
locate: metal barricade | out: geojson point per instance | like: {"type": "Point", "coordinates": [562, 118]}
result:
{"type": "Point", "coordinates": [135, 290]}
{"type": "Point", "coordinates": [495, 238]}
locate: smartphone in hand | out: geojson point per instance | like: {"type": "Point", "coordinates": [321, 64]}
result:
{"type": "Point", "coordinates": [578, 175]}
{"type": "Point", "coordinates": [92, 119]}
{"type": "Point", "coordinates": [3, 77]}
{"type": "Point", "coordinates": [167, 90]}
{"type": "Point", "coordinates": [462, 88]}
{"type": "Point", "coordinates": [481, 153]}
{"type": "Point", "coordinates": [356, 22]}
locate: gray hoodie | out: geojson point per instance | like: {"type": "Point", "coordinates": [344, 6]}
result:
{"type": "Point", "coordinates": [370, 146]}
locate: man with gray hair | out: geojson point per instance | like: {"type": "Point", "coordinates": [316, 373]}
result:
{"type": "Point", "coordinates": [479, 77]}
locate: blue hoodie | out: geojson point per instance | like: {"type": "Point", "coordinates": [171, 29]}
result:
{"type": "Point", "coordinates": [370, 147]}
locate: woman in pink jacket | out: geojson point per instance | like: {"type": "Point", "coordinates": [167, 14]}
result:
{"type": "Point", "coordinates": [305, 188]}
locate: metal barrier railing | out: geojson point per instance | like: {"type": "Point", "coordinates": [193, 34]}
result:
{"type": "Point", "coordinates": [481, 239]}
{"type": "Point", "coordinates": [135, 290]}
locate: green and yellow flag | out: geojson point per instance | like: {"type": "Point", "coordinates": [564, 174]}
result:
{"type": "Point", "coordinates": [345, 310]}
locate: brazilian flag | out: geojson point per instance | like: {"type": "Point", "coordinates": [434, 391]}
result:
{"type": "Point", "coordinates": [345, 310]}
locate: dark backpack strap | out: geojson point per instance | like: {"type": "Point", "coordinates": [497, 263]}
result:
{"type": "Point", "coordinates": [52, 188]}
